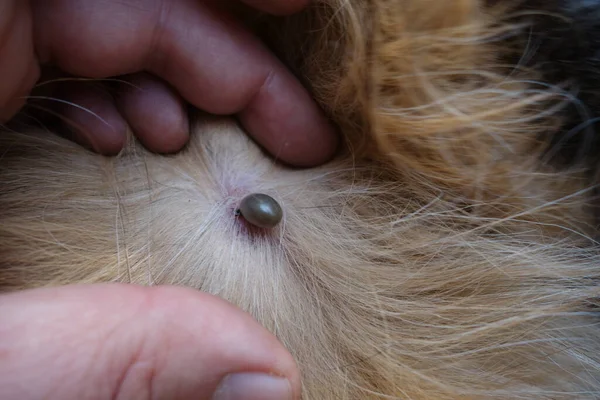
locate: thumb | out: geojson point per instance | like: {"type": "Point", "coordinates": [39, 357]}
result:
{"type": "Point", "coordinates": [117, 341]}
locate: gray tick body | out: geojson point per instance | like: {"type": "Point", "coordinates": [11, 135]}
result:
{"type": "Point", "coordinates": [261, 210]}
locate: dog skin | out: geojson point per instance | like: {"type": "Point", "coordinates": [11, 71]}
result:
{"type": "Point", "coordinates": [447, 252]}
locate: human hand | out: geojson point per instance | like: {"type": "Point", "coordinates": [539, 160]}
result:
{"type": "Point", "coordinates": [189, 50]}
{"type": "Point", "coordinates": [116, 341]}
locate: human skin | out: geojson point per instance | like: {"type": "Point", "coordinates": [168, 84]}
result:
{"type": "Point", "coordinates": [176, 52]}
{"type": "Point", "coordinates": [127, 342]}
{"type": "Point", "coordinates": [124, 341]}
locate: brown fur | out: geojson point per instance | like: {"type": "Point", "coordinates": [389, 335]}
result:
{"type": "Point", "coordinates": [438, 257]}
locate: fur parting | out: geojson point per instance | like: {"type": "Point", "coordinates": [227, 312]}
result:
{"type": "Point", "coordinates": [440, 256]}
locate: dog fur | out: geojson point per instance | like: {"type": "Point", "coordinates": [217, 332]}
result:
{"type": "Point", "coordinates": [448, 252]}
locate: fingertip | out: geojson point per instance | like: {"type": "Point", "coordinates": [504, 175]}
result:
{"type": "Point", "coordinates": [228, 325]}
{"type": "Point", "coordinates": [130, 341]}
{"type": "Point", "coordinates": [228, 341]}
{"type": "Point", "coordinates": [155, 112]}
{"type": "Point", "coordinates": [288, 123]}
{"type": "Point", "coordinates": [90, 114]}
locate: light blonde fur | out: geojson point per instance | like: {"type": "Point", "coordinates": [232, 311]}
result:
{"type": "Point", "coordinates": [438, 257]}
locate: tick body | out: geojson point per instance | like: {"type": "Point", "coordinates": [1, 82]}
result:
{"type": "Point", "coordinates": [261, 210]}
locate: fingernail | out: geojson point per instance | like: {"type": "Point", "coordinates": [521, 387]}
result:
{"type": "Point", "coordinates": [253, 386]}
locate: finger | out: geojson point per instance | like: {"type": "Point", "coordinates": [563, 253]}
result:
{"type": "Point", "coordinates": [278, 7]}
{"type": "Point", "coordinates": [127, 342]}
{"type": "Point", "coordinates": [88, 110]}
{"type": "Point", "coordinates": [205, 55]}
{"type": "Point", "coordinates": [272, 105]}
{"type": "Point", "coordinates": [155, 113]}
{"type": "Point", "coordinates": [18, 67]}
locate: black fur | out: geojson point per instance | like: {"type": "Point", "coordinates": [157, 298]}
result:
{"type": "Point", "coordinates": [564, 44]}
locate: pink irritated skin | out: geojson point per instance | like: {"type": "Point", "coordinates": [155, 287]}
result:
{"type": "Point", "coordinates": [250, 230]}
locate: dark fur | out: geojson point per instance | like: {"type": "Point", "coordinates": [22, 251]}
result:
{"type": "Point", "coordinates": [564, 45]}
